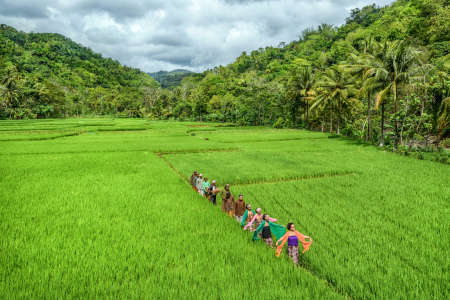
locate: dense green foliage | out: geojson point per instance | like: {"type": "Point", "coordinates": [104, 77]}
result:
{"type": "Point", "coordinates": [326, 80]}
{"type": "Point", "coordinates": [105, 214]}
{"type": "Point", "coordinates": [48, 75]}
{"type": "Point", "coordinates": [383, 76]}
{"type": "Point", "coordinates": [169, 80]}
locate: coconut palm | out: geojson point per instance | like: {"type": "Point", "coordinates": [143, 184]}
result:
{"type": "Point", "coordinates": [362, 64]}
{"type": "Point", "coordinates": [10, 87]}
{"type": "Point", "coordinates": [337, 86]}
{"type": "Point", "coordinates": [301, 88]}
{"type": "Point", "coordinates": [393, 66]}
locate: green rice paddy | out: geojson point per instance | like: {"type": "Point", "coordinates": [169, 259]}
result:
{"type": "Point", "coordinates": [101, 208]}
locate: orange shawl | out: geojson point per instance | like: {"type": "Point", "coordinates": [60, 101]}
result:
{"type": "Point", "coordinates": [300, 237]}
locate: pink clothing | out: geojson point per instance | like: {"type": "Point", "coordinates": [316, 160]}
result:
{"type": "Point", "coordinates": [253, 220]}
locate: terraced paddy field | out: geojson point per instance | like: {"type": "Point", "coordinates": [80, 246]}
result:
{"type": "Point", "coordinates": [101, 208]}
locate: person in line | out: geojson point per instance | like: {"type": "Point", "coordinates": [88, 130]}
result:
{"type": "Point", "coordinates": [292, 237]}
{"type": "Point", "coordinates": [247, 217]}
{"type": "Point", "coordinates": [228, 204]}
{"type": "Point", "coordinates": [224, 191]}
{"type": "Point", "coordinates": [193, 176]}
{"type": "Point", "coordinates": [199, 184]}
{"type": "Point", "coordinates": [257, 219]}
{"type": "Point", "coordinates": [239, 208]}
{"type": "Point", "coordinates": [195, 181]}
{"type": "Point", "coordinates": [213, 192]}
{"type": "Point", "coordinates": [206, 185]}
{"type": "Point", "coordinates": [266, 228]}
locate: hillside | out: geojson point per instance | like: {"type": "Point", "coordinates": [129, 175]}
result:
{"type": "Point", "coordinates": [47, 74]}
{"type": "Point", "coordinates": [170, 79]}
{"type": "Point", "coordinates": [281, 85]}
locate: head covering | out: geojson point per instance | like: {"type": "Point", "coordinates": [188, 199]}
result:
{"type": "Point", "coordinates": [201, 175]}
{"type": "Point", "coordinates": [227, 185]}
{"type": "Point", "coordinates": [213, 181]}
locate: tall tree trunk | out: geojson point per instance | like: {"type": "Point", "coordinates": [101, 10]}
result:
{"type": "Point", "coordinates": [331, 119]}
{"type": "Point", "coordinates": [323, 122]}
{"type": "Point", "coordinates": [307, 116]}
{"type": "Point", "coordinates": [368, 117]}
{"type": "Point", "coordinates": [411, 135]}
{"type": "Point", "coordinates": [382, 125]}
{"type": "Point", "coordinates": [339, 114]}
{"type": "Point", "coordinates": [403, 122]}
{"type": "Point", "coordinates": [395, 112]}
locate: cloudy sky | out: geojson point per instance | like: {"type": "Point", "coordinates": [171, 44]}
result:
{"type": "Point", "coordinates": [158, 35]}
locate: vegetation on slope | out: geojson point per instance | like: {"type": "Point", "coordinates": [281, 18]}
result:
{"type": "Point", "coordinates": [169, 80]}
{"type": "Point", "coordinates": [48, 75]}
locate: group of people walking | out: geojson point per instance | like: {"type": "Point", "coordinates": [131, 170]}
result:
{"type": "Point", "coordinates": [262, 225]}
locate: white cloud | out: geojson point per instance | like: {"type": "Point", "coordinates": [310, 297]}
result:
{"type": "Point", "coordinates": [158, 34]}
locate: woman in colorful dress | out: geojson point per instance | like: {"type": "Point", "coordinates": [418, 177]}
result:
{"type": "Point", "coordinates": [256, 220]}
{"type": "Point", "coordinates": [266, 228]}
{"type": "Point", "coordinates": [247, 217]}
{"type": "Point", "coordinates": [293, 237]}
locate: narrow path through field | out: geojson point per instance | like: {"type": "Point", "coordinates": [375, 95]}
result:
{"type": "Point", "coordinates": [317, 176]}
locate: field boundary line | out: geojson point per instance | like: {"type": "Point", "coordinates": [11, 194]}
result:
{"type": "Point", "coordinates": [173, 168]}
{"type": "Point", "coordinates": [306, 177]}
{"type": "Point", "coordinates": [126, 151]}
{"type": "Point", "coordinates": [43, 139]}
{"type": "Point", "coordinates": [197, 151]}
{"type": "Point", "coordinates": [278, 140]}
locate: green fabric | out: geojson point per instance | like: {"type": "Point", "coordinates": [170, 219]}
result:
{"type": "Point", "coordinates": [244, 217]}
{"type": "Point", "coordinates": [206, 185]}
{"type": "Point", "coordinates": [278, 230]}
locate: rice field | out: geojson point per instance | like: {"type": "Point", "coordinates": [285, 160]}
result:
{"type": "Point", "coordinates": [95, 213]}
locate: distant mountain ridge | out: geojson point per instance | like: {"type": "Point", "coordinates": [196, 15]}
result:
{"type": "Point", "coordinates": [170, 79]}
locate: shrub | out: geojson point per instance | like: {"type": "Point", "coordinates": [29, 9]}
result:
{"type": "Point", "coordinates": [445, 143]}
{"type": "Point", "coordinates": [288, 124]}
{"type": "Point", "coordinates": [279, 123]}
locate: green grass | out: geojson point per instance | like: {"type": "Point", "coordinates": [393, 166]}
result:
{"type": "Point", "coordinates": [103, 215]}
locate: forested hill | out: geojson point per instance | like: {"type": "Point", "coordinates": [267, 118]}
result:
{"type": "Point", "coordinates": [47, 74]}
{"type": "Point", "coordinates": [420, 23]}
{"type": "Point", "coordinates": [170, 79]}
{"type": "Point", "coordinates": [383, 76]}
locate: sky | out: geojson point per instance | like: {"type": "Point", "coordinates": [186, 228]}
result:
{"type": "Point", "coordinates": [196, 35]}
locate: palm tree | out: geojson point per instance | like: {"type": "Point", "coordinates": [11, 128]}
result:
{"type": "Point", "coordinates": [337, 86]}
{"type": "Point", "coordinates": [320, 105]}
{"type": "Point", "coordinates": [362, 64]}
{"type": "Point", "coordinates": [393, 66]}
{"type": "Point", "coordinates": [301, 87]}
{"type": "Point", "coordinates": [10, 89]}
